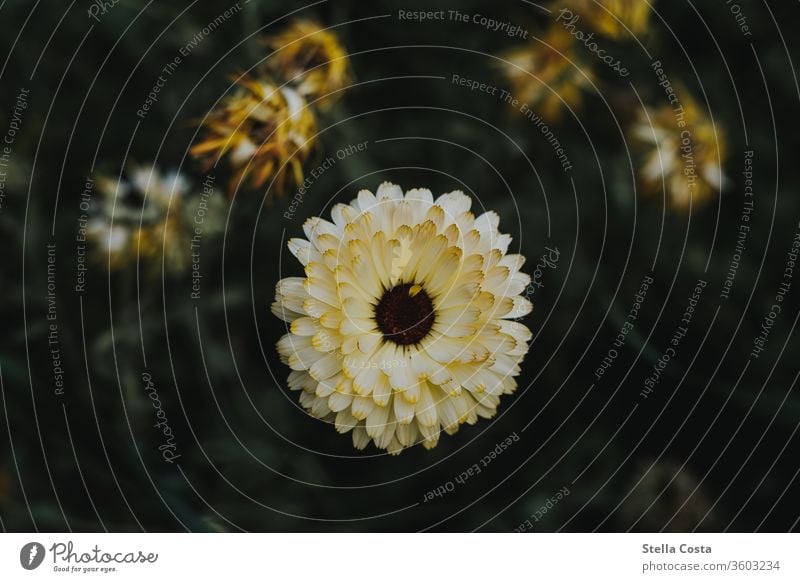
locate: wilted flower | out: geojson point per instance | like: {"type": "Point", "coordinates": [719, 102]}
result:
{"type": "Point", "coordinates": [547, 74]}
{"type": "Point", "coordinates": [613, 18]}
{"type": "Point", "coordinates": [667, 497]}
{"type": "Point", "coordinates": [311, 59]}
{"type": "Point", "coordinates": [404, 323]}
{"type": "Point", "coordinates": [264, 130]}
{"type": "Point", "coordinates": [141, 216]}
{"type": "Point", "coordinates": [683, 152]}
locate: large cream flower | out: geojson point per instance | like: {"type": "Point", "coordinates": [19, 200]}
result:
{"type": "Point", "coordinates": [404, 323]}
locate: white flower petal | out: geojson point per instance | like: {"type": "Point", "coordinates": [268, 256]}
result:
{"type": "Point", "coordinates": [377, 421]}
{"type": "Point", "coordinates": [382, 392]}
{"type": "Point", "coordinates": [339, 402]}
{"type": "Point", "coordinates": [325, 367]}
{"type": "Point", "coordinates": [365, 380]}
{"type": "Point", "coordinates": [425, 410]}
{"type": "Point", "coordinates": [362, 406]}
{"type": "Point", "coordinates": [389, 191]}
{"type": "Point", "coordinates": [403, 410]}
{"type": "Point", "coordinates": [345, 421]}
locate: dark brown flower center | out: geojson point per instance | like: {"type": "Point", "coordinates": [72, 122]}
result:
{"type": "Point", "coordinates": [405, 314]}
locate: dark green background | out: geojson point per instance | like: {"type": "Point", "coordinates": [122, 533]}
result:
{"type": "Point", "coordinates": [723, 441]}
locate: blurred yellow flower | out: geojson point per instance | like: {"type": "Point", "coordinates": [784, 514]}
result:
{"type": "Point", "coordinates": [547, 74]}
{"type": "Point", "coordinates": [683, 152]}
{"type": "Point", "coordinates": [141, 217]}
{"type": "Point", "coordinates": [614, 18]}
{"type": "Point", "coordinates": [311, 59]}
{"type": "Point", "coordinates": [265, 131]}
{"type": "Point", "coordinates": [167, 239]}
{"type": "Point", "coordinates": [111, 242]}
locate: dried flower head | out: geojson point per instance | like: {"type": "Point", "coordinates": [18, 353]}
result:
{"type": "Point", "coordinates": [404, 323]}
{"type": "Point", "coordinates": [264, 130]}
{"type": "Point", "coordinates": [683, 152]}
{"type": "Point", "coordinates": [311, 59]}
{"type": "Point", "coordinates": [140, 217]}
{"type": "Point", "coordinates": [547, 74]}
